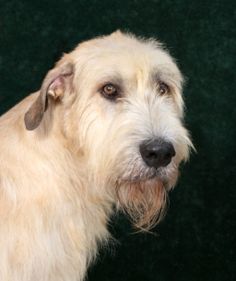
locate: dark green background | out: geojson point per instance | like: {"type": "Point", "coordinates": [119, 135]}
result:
{"type": "Point", "coordinates": [196, 241]}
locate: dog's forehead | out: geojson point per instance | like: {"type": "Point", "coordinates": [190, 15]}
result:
{"type": "Point", "coordinates": [126, 56]}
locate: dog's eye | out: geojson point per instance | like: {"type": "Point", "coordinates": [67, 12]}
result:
{"type": "Point", "coordinates": [109, 91]}
{"type": "Point", "coordinates": [163, 88]}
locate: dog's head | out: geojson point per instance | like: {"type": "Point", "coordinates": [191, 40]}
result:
{"type": "Point", "coordinates": [121, 109]}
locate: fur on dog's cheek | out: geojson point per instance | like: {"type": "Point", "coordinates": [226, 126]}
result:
{"type": "Point", "coordinates": [144, 202]}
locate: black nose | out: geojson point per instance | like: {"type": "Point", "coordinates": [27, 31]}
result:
{"type": "Point", "coordinates": [157, 152]}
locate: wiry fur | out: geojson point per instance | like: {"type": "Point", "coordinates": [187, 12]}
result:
{"type": "Point", "coordinates": [60, 182]}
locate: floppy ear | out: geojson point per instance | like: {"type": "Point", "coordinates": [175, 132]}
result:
{"type": "Point", "coordinates": [54, 85]}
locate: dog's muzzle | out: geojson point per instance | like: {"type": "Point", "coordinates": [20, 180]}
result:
{"type": "Point", "coordinates": [157, 153]}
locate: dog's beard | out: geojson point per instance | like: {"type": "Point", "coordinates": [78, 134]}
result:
{"type": "Point", "coordinates": [143, 201]}
{"type": "Point", "coordinates": [143, 195]}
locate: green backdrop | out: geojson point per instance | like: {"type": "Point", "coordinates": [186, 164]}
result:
{"type": "Point", "coordinates": [196, 241]}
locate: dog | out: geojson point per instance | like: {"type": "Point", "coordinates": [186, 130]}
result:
{"type": "Point", "coordinates": [104, 133]}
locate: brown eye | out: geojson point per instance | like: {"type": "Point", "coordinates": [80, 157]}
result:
{"type": "Point", "coordinates": [109, 91]}
{"type": "Point", "coordinates": [163, 88]}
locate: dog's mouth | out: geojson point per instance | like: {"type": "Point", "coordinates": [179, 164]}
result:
{"type": "Point", "coordinates": [139, 174]}
{"type": "Point", "coordinates": [142, 176]}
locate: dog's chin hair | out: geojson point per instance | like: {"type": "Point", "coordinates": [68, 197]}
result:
{"type": "Point", "coordinates": [143, 201]}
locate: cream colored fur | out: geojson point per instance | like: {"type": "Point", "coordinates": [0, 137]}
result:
{"type": "Point", "coordinates": [60, 181]}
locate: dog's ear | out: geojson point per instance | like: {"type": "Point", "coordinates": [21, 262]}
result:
{"type": "Point", "coordinates": [54, 85]}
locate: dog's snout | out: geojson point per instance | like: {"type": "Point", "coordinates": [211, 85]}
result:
{"type": "Point", "coordinates": [157, 153]}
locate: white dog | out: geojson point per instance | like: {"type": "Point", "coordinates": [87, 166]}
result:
{"type": "Point", "coordinates": [104, 130]}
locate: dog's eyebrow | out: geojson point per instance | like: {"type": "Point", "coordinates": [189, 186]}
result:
{"type": "Point", "coordinates": [164, 74]}
{"type": "Point", "coordinates": [115, 79]}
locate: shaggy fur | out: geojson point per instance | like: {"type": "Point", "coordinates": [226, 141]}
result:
{"type": "Point", "coordinates": [69, 155]}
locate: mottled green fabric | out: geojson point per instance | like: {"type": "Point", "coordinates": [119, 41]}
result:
{"type": "Point", "coordinates": [196, 241]}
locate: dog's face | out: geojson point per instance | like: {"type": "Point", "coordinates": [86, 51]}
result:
{"type": "Point", "coordinates": [123, 109]}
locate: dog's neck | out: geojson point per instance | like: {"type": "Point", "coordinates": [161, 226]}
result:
{"type": "Point", "coordinates": [57, 180]}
